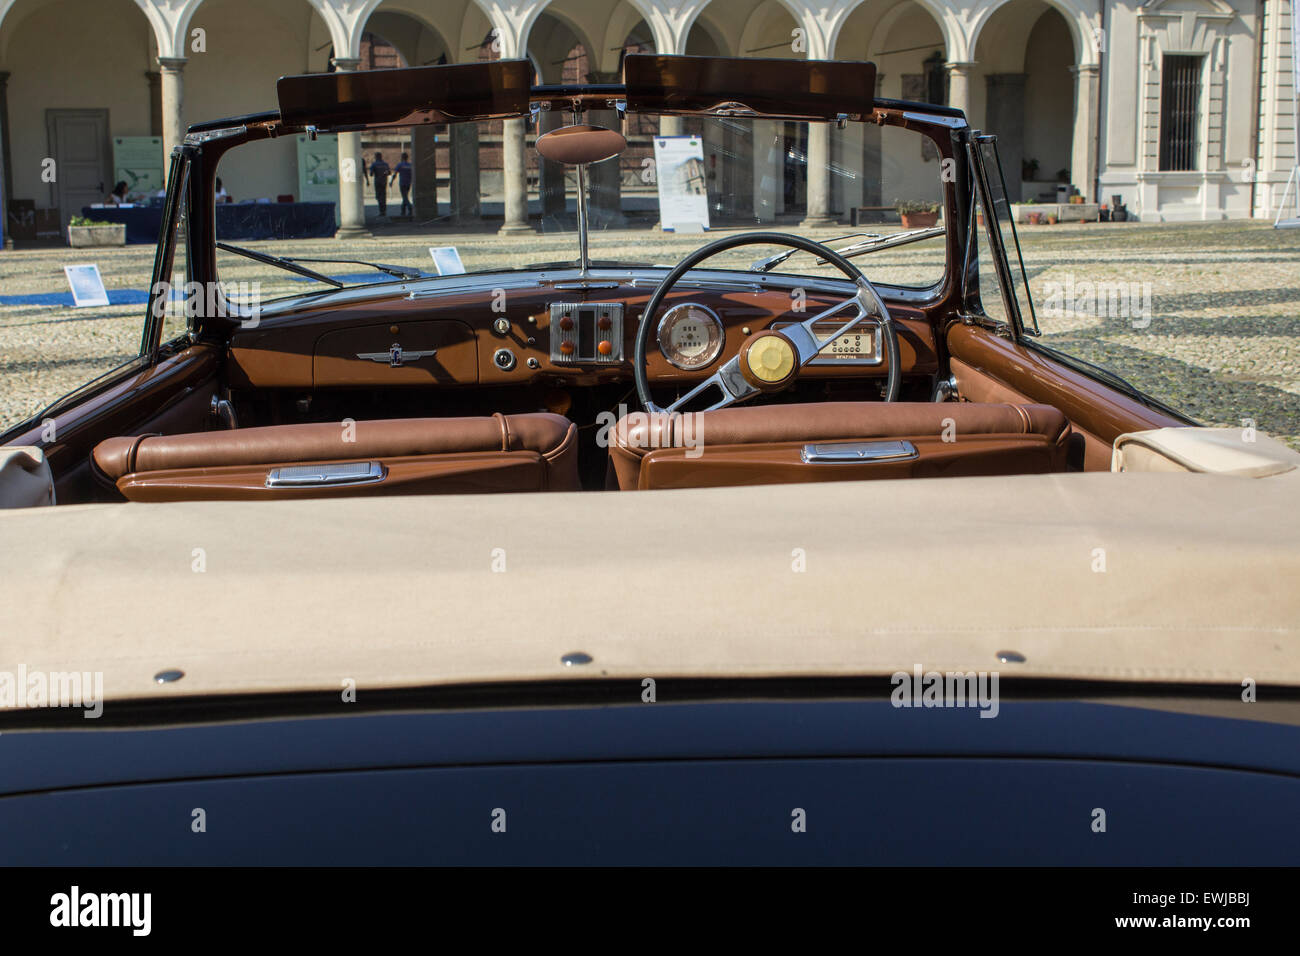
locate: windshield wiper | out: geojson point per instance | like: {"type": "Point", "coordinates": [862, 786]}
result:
{"type": "Point", "coordinates": [767, 263]}
{"type": "Point", "coordinates": [280, 263]}
{"type": "Point", "coordinates": [871, 243]}
{"type": "Point", "coordinates": [400, 272]}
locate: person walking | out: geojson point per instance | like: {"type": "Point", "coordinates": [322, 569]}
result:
{"type": "Point", "coordinates": [404, 172]}
{"type": "Point", "coordinates": [380, 171]}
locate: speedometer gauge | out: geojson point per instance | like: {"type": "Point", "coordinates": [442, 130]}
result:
{"type": "Point", "coordinates": [690, 336]}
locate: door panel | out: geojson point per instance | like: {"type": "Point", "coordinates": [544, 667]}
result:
{"type": "Point", "coordinates": [989, 368]}
{"type": "Point", "coordinates": [172, 396]}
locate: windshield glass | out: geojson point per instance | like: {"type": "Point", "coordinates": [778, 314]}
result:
{"type": "Point", "coordinates": [448, 198]}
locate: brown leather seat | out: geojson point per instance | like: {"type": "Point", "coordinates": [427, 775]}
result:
{"type": "Point", "coordinates": [533, 452]}
{"type": "Point", "coordinates": [748, 445]}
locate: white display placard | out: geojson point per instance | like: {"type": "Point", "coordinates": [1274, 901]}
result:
{"type": "Point", "coordinates": [683, 190]}
{"type": "Point", "coordinates": [87, 285]}
{"type": "Point", "coordinates": [447, 260]}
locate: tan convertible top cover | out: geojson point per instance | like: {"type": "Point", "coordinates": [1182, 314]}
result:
{"type": "Point", "coordinates": [1163, 577]}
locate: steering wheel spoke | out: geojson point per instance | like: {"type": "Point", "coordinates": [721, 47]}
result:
{"type": "Point", "coordinates": [728, 380]}
{"type": "Point", "coordinates": [804, 336]}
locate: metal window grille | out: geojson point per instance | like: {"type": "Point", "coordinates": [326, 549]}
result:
{"type": "Point", "coordinates": [1180, 100]}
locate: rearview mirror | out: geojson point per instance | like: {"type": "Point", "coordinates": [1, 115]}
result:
{"type": "Point", "coordinates": [580, 145]}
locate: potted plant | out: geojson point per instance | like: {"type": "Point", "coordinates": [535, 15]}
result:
{"type": "Point", "coordinates": [1052, 219]}
{"type": "Point", "coordinates": [917, 214]}
{"type": "Point", "coordinates": [1035, 218]}
{"type": "Point", "coordinates": [83, 232]}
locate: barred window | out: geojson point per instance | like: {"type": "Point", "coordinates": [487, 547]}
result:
{"type": "Point", "coordinates": [1180, 100]}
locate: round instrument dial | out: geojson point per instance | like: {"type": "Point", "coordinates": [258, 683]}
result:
{"type": "Point", "coordinates": [690, 336]}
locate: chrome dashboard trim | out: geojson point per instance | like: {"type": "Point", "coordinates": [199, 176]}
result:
{"type": "Point", "coordinates": [822, 359]}
{"type": "Point", "coordinates": [434, 287]}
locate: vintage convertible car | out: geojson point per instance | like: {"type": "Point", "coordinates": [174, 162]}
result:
{"type": "Point", "coordinates": [513, 380]}
{"type": "Point", "coordinates": [725, 459]}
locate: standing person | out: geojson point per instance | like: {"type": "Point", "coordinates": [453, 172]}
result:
{"type": "Point", "coordinates": [381, 171]}
{"type": "Point", "coordinates": [403, 172]}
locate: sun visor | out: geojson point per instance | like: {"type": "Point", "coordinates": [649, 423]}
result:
{"type": "Point", "coordinates": [740, 86]}
{"type": "Point", "coordinates": [366, 99]}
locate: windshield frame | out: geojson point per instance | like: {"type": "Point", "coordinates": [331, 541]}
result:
{"type": "Point", "coordinates": [944, 126]}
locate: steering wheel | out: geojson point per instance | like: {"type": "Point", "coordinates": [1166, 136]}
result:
{"type": "Point", "coordinates": [769, 360]}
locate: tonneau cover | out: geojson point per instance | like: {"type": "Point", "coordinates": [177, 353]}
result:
{"type": "Point", "coordinates": [1115, 577]}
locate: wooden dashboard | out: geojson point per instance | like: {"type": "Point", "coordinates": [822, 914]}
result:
{"type": "Point", "coordinates": [458, 339]}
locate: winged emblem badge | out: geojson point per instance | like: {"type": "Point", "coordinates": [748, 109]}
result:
{"type": "Point", "coordinates": [395, 356]}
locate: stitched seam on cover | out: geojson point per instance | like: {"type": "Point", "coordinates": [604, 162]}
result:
{"type": "Point", "coordinates": [505, 430]}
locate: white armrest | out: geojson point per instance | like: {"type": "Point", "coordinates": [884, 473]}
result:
{"type": "Point", "coordinates": [1218, 451]}
{"type": "Point", "coordinates": [25, 477]}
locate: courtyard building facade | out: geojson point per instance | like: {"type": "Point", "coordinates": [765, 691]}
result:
{"type": "Point", "coordinates": [1180, 109]}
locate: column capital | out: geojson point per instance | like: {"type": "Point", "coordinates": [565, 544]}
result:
{"type": "Point", "coordinates": [959, 66]}
{"type": "Point", "coordinates": [172, 64]}
{"type": "Point", "coordinates": [346, 64]}
{"type": "Point", "coordinates": [1086, 69]}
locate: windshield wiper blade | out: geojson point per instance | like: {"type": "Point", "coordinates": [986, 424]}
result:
{"type": "Point", "coordinates": [870, 243]}
{"type": "Point", "coordinates": [888, 241]}
{"type": "Point", "coordinates": [768, 263]}
{"type": "Point", "coordinates": [400, 272]}
{"type": "Point", "coordinates": [281, 263]}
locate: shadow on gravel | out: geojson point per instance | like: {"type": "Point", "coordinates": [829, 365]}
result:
{"type": "Point", "coordinates": [1195, 392]}
{"type": "Point", "coordinates": [102, 363]}
{"type": "Point", "coordinates": [1237, 326]}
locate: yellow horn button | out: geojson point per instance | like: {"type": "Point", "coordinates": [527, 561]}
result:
{"type": "Point", "coordinates": [770, 358]}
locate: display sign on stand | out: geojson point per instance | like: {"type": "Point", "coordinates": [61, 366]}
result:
{"type": "Point", "coordinates": [86, 284]}
{"type": "Point", "coordinates": [318, 170]}
{"type": "Point", "coordinates": [138, 161]}
{"type": "Point", "coordinates": [683, 190]}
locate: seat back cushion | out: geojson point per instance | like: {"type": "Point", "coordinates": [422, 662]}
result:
{"type": "Point", "coordinates": [533, 452]}
{"type": "Point", "coordinates": [768, 444]}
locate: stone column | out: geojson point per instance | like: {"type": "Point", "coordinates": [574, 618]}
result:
{"type": "Point", "coordinates": [173, 104]}
{"type": "Point", "coordinates": [959, 75]}
{"type": "Point", "coordinates": [1083, 153]}
{"type": "Point", "coordinates": [552, 184]}
{"type": "Point", "coordinates": [352, 200]}
{"type": "Point", "coordinates": [515, 178]}
{"type": "Point", "coordinates": [606, 179]}
{"type": "Point", "coordinates": [6, 167]}
{"type": "Point", "coordinates": [154, 79]}
{"type": "Point", "coordinates": [465, 190]}
{"type": "Point", "coordinates": [818, 208]}
{"type": "Point", "coordinates": [768, 164]}
{"type": "Point", "coordinates": [424, 160]}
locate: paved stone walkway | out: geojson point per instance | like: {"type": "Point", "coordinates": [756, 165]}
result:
{"type": "Point", "coordinates": [1221, 339]}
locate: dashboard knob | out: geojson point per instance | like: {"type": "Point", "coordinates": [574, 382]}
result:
{"type": "Point", "coordinates": [566, 348]}
{"type": "Point", "coordinates": [501, 326]}
{"type": "Point", "coordinates": [604, 322]}
{"type": "Point", "coordinates": [606, 347]}
{"type": "Point", "coordinates": [566, 322]}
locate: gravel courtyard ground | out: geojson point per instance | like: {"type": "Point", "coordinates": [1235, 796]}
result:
{"type": "Point", "coordinates": [1221, 341]}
